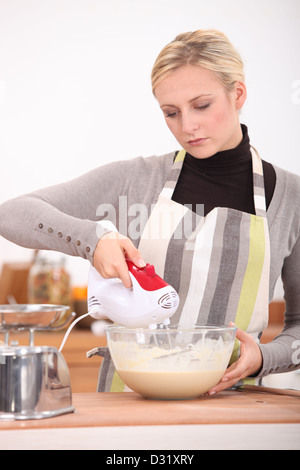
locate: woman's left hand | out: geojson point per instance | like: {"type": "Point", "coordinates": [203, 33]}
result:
{"type": "Point", "coordinates": [249, 362]}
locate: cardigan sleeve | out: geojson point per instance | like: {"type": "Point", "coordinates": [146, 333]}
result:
{"type": "Point", "coordinates": [66, 217]}
{"type": "Point", "coordinates": [71, 217]}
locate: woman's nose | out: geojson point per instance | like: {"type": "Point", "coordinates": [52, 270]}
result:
{"type": "Point", "coordinates": [189, 122]}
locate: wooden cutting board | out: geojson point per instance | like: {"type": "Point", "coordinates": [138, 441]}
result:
{"type": "Point", "coordinates": [129, 409]}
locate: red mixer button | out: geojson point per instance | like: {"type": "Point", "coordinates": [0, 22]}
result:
{"type": "Point", "coordinates": [150, 271]}
{"type": "Point", "coordinates": [146, 277]}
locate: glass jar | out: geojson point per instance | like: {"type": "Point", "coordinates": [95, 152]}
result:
{"type": "Point", "coordinates": [49, 282]}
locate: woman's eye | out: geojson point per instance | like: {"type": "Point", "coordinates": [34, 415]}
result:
{"type": "Point", "coordinates": [173, 114]}
{"type": "Point", "coordinates": [205, 106]}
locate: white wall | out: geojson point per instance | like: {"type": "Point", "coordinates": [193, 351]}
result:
{"type": "Point", "coordinates": [75, 84]}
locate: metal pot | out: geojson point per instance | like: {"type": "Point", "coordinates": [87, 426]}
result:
{"type": "Point", "coordinates": [34, 383]}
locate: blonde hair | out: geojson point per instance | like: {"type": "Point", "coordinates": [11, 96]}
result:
{"type": "Point", "coordinates": [209, 49]}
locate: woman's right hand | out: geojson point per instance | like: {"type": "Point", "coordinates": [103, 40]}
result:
{"type": "Point", "coordinates": [109, 257]}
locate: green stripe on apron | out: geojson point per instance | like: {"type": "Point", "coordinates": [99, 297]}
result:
{"type": "Point", "coordinates": [253, 273]}
{"type": "Point", "coordinates": [117, 384]}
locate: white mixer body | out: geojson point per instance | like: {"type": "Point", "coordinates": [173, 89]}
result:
{"type": "Point", "coordinates": [147, 303]}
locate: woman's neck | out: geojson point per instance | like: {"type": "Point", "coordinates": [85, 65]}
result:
{"type": "Point", "coordinates": [227, 161]}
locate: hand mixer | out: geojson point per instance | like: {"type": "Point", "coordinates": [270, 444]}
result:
{"type": "Point", "coordinates": [150, 300]}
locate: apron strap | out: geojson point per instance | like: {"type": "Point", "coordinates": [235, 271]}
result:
{"type": "Point", "coordinates": [258, 184]}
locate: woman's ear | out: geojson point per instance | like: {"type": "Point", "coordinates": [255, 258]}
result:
{"type": "Point", "coordinates": [240, 92]}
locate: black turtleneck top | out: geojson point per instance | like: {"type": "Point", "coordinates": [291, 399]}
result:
{"type": "Point", "coordinates": [222, 180]}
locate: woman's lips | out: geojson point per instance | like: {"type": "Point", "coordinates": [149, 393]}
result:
{"type": "Point", "coordinates": [197, 141]}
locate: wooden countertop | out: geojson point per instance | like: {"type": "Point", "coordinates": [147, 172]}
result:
{"type": "Point", "coordinates": [129, 409]}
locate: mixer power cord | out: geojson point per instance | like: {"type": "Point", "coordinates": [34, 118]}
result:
{"type": "Point", "coordinates": [93, 311]}
{"type": "Point", "coordinates": [71, 328]}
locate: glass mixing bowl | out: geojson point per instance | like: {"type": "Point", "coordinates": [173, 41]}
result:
{"type": "Point", "coordinates": [171, 363]}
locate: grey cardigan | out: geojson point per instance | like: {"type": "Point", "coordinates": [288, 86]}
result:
{"type": "Point", "coordinates": [66, 218]}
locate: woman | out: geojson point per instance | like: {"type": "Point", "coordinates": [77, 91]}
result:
{"type": "Point", "coordinates": [230, 228]}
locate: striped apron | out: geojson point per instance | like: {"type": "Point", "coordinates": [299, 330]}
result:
{"type": "Point", "coordinates": [218, 263]}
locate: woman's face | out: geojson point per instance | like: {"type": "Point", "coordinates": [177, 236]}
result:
{"type": "Point", "coordinates": [201, 114]}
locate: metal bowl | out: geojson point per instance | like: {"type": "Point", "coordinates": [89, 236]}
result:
{"type": "Point", "coordinates": [32, 316]}
{"type": "Point", "coordinates": [171, 363]}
